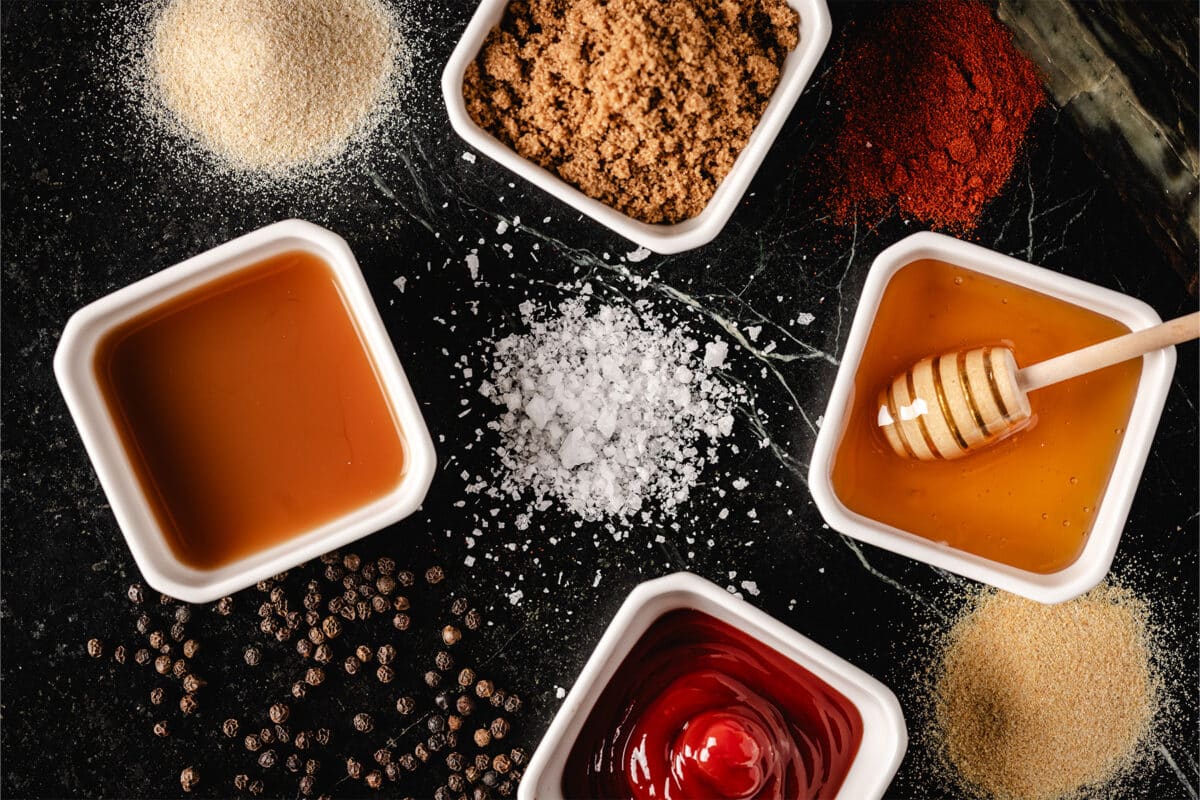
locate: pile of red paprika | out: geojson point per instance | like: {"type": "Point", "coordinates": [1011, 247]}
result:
{"type": "Point", "coordinates": [936, 100]}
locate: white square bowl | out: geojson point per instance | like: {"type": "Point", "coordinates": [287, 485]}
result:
{"type": "Point", "coordinates": [74, 366]}
{"type": "Point", "coordinates": [815, 28]}
{"type": "Point", "coordinates": [1094, 561]}
{"type": "Point", "coordinates": [885, 737]}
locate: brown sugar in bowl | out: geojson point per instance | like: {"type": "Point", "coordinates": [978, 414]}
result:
{"type": "Point", "coordinates": [815, 27]}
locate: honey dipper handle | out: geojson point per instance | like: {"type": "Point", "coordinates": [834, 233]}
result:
{"type": "Point", "coordinates": [1105, 354]}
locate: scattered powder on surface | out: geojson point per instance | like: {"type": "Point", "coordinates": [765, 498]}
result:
{"type": "Point", "coordinates": [1046, 701]}
{"type": "Point", "coordinates": [610, 413]}
{"type": "Point", "coordinates": [270, 86]}
{"type": "Point", "coordinates": [936, 101]}
{"type": "Point", "coordinates": [640, 104]}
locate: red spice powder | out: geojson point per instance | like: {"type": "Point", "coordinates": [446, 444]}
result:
{"type": "Point", "coordinates": [936, 102]}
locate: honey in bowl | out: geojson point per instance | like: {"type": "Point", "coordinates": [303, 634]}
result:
{"type": "Point", "coordinates": [250, 410]}
{"type": "Point", "coordinates": [1030, 500]}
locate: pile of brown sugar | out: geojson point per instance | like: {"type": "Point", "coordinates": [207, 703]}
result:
{"type": "Point", "coordinates": [1041, 702]}
{"type": "Point", "coordinates": [641, 104]}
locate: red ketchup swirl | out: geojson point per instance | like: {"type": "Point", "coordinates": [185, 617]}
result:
{"type": "Point", "coordinates": [699, 710]}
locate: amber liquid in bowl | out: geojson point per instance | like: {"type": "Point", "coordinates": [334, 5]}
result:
{"type": "Point", "coordinates": [251, 410]}
{"type": "Point", "coordinates": [1030, 500]}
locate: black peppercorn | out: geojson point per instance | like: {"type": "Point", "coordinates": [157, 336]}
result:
{"type": "Point", "coordinates": [165, 599]}
{"type": "Point", "coordinates": [436, 742]}
{"type": "Point", "coordinates": [465, 705]}
{"type": "Point", "coordinates": [278, 597]}
{"type": "Point", "coordinates": [323, 654]}
{"type": "Point", "coordinates": [315, 676]}
{"type": "Point", "coordinates": [498, 698]}
{"type": "Point", "coordinates": [192, 683]}
{"type": "Point", "coordinates": [304, 647]}
{"type": "Point", "coordinates": [253, 656]}
{"type": "Point", "coordinates": [385, 565]}
{"type": "Point", "coordinates": [179, 668]}
{"type": "Point", "coordinates": [299, 690]}
{"type": "Point", "coordinates": [435, 724]}
{"type": "Point", "coordinates": [406, 705]}
{"type": "Point", "coordinates": [264, 586]}
{"type": "Point", "coordinates": [292, 763]}
{"type": "Point", "coordinates": [401, 622]}
{"type": "Point", "coordinates": [332, 627]}
{"type": "Point", "coordinates": [190, 648]}
{"type": "Point", "coordinates": [266, 735]}
{"type": "Point", "coordinates": [482, 762]}
{"type": "Point", "coordinates": [230, 727]}
{"type": "Point", "coordinates": [518, 756]}
{"type": "Point", "coordinates": [162, 665]}
{"type": "Point", "coordinates": [323, 736]}
{"type": "Point", "coordinates": [374, 779]}
{"type": "Point", "coordinates": [392, 772]}
{"type": "Point", "coordinates": [267, 759]}
{"type": "Point", "coordinates": [385, 584]}
{"type": "Point", "coordinates": [379, 604]}
{"type": "Point", "coordinates": [334, 573]}
{"type": "Point", "coordinates": [435, 575]}
{"type": "Point", "coordinates": [312, 618]}
{"type": "Point", "coordinates": [490, 778]}
{"type": "Point", "coordinates": [456, 783]}
{"type": "Point", "coordinates": [482, 737]}
{"type": "Point", "coordinates": [156, 638]}
{"type": "Point", "coordinates": [308, 784]}
{"type": "Point", "coordinates": [189, 778]}
{"type": "Point", "coordinates": [332, 557]}
{"type": "Point", "coordinates": [421, 752]}
{"type": "Point", "coordinates": [443, 661]}
{"type": "Point", "coordinates": [353, 768]}
{"type": "Point", "coordinates": [256, 787]}
{"type": "Point", "coordinates": [383, 756]}
{"type": "Point", "coordinates": [119, 654]}
{"type": "Point", "coordinates": [311, 766]}
{"type": "Point", "coordinates": [252, 742]}
{"type": "Point", "coordinates": [143, 624]}
{"type": "Point", "coordinates": [473, 619]}
{"type": "Point", "coordinates": [265, 610]}
{"type": "Point", "coordinates": [224, 606]}
{"type": "Point", "coordinates": [500, 728]}
{"type": "Point", "coordinates": [268, 626]}
{"type": "Point", "coordinates": [454, 722]}
{"type": "Point", "coordinates": [405, 578]}
{"type": "Point", "coordinates": [433, 678]}
{"type": "Point", "coordinates": [455, 762]}
{"type": "Point", "coordinates": [385, 674]}
{"type": "Point", "coordinates": [183, 614]}
{"type": "Point", "coordinates": [368, 572]}
{"type": "Point", "coordinates": [302, 740]}
{"type": "Point", "coordinates": [282, 634]}
{"type": "Point", "coordinates": [363, 722]}
{"type": "Point", "coordinates": [408, 761]}
{"type": "Point", "coordinates": [142, 656]}
{"type": "Point", "coordinates": [279, 712]}
{"type": "Point", "coordinates": [501, 763]}
{"type": "Point", "coordinates": [157, 695]}
{"type": "Point", "coordinates": [316, 635]}
{"type": "Point", "coordinates": [160, 729]}
{"type": "Point", "coordinates": [513, 704]}
{"type": "Point", "coordinates": [351, 665]}
{"type": "Point", "coordinates": [351, 562]}
{"type": "Point", "coordinates": [506, 788]}
{"type": "Point", "coordinates": [451, 635]}
{"type": "Point", "coordinates": [135, 593]}
{"type": "Point", "coordinates": [241, 781]}
{"type": "Point", "coordinates": [363, 609]}
{"type": "Point", "coordinates": [484, 689]}
{"type": "Point", "coordinates": [442, 793]}
{"type": "Point", "coordinates": [282, 734]}
{"type": "Point", "coordinates": [471, 773]}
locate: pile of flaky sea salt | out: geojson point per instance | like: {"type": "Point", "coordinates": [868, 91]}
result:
{"type": "Point", "coordinates": [610, 414]}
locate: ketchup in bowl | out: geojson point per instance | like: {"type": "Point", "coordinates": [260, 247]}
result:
{"type": "Point", "coordinates": [698, 709]}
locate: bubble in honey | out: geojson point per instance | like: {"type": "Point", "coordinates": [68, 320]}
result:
{"type": "Point", "coordinates": [1073, 480]}
{"type": "Point", "coordinates": [958, 281]}
{"type": "Point", "coordinates": [1087, 510]}
{"type": "Point", "coordinates": [1045, 515]}
{"type": "Point", "coordinates": [1066, 523]}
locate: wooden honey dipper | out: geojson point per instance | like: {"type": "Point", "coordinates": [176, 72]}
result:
{"type": "Point", "coordinates": [953, 404]}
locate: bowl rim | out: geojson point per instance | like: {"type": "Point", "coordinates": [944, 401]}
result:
{"type": "Point", "coordinates": [1094, 561]}
{"type": "Point", "coordinates": [885, 735]}
{"type": "Point", "coordinates": [74, 370]}
{"type": "Point", "coordinates": [816, 28]}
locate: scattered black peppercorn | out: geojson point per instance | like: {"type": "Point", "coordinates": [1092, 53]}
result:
{"type": "Point", "coordinates": [332, 627]}
{"type": "Point", "coordinates": [224, 606]}
{"type": "Point", "coordinates": [443, 661]}
{"type": "Point", "coordinates": [385, 565]}
{"type": "Point", "coordinates": [385, 584]}
{"type": "Point", "coordinates": [405, 578]}
{"type": "Point", "coordinates": [442, 700]}
{"type": "Point", "coordinates": [436, 742]}
{"type": "Point", "coordinates": [252, 656]}
{"type": "Point", "coordinates": [161, 730]}
{"type": "Point", "coordinates": [178, 631]}
{"type": "Point", "coordinates": [408, 761]}
{"type": "Point", "coordinates": [484, 689]}
{"type": "Point", "coordinates": [292, 763]}
{"type": "Point", "coordinates": [316, 635]}
{"type": "Point", "coordinates": [432, 678]}
{"type": "Point", "coordinates": [256, 787]}
{"type": "Point", "coordinates": [363, 609]}
{"type": "Point", "coordinates": [323, 735]}
{"type": "Point", "coordinates": [267, 735]}
{"type": "Point", "coordinates": [471, 773]}
{"type": "Point", "coordinates": [454, 722]}
{"type": "Point", "coordinates": [501, 763]}
{"type": "Point", "coordinates": [351, 665]}
{"type": "Point", "coordinates": [162, 665]}
{"type": "Point", "coordinates": [157, 639]}
{"type": "Point", "coordinates": [456, 783]}
{"type": "Point", "coordinates": [518, 756]}
{"type": "Point", "coordinates": [500, 728]}
{"type": "Point", "coordinates": [465, 705]}
{"type": "Point", "coordinates": [267, 759]}
{"type": "Point", "coordinates": [466, 677]}
{"type": "Point", "coordinates": [443, 793]}
{"type": "Point", "coordinates": [323, 654]}
{"type": "Point", "coordinates": [299, 690]}
{"type": "Point", "coordinates": [363, 722]}
{"type": "Point", "coordinates": [401, 622]}
{"type": "Point", "coordinates": [333, 573]}
{"type": "Point", "coordinates": [142, 656]}
{"type": "Point", "coordinates": [230, 727]}
{"type": "Point", "coordinates": [455, 762]}
{"type": "Point", "coordinates": [353, 768]}
{"type": "Point", "coordinates": [165, 599]}
{"type": "Point", "coordinates": [490, 778]}
{"type": "Point", "coordinates": [352, 562]}
{"type": "Point", "coordinates": [282, 734]}
{"type": "Point", "coordinates": [252, 742]}
{"type": "Point", "coordinates": [385, 674]}
{"type": "Point", "coordinates": [157, 695]}
{"type": "Point", "coordinates": [513, 704]}
{"type": "Point", "coordinates": [192, 683]}
{"type": "Point", "coordinates": [451, 635]}
{"type": "Point", "coordinates": [264, 610]}
{"type": "Point", "coordinates": [189, 778]}
{"type": "Point", "coordinates": [459, 606]}
{"type": "Point", "coordinates": [383, 756]}
{"type": "Point", "coordinates": [190, 648]}
{"type": "Point", "coordinates": [315, 676]}
{"type": "Point", "coordinates": [179, 668]}
{"type": "Point", "coordinates": [482, 737]}
{"type": "Point", "coordinates": [135, 593]}
{"type": "Point", "coordinates": [188, 704]}
{"type": "Point", "coordinates": [363, 653]}
{"type": "Point", "coordinates": [406, 705]}
{"type": "Point", "coordinates": [374, 779]}
{"type": "Point", "coordinates": [506, 788]}
{"type": "Point", "coordinates": [379, 604]}
{"type": "Point", "coordinates": [498, 698]}
{"type": "Point", "coordinates": [435, 575]}
{"type": "Point", "coordinates": [302, 740]}
{"type": "Point", "coordinates": [279, 712]}
{"type": "Point", "coordinates": [386, 654]}
{"type": "Point", "coordinates": [241, 781]}
{"type": "Point", "coordinates": [304, 648]}
{"type": "Point", "coordinates": [435, 724]}
{"type": "Point", "coordinates": [473, 619]}
{"type": "Point", "coordinates": [308, 784]}
{"type": "Point", "coordinates": [183, 614]}
{"type": "Point", "coordinates": [392, 772]}
{"type": "Point", "coordinates": [311, 766]}
{"type": "Point", "coordinates": [421, 752]}
{"type": "Point", "coordinates": [143, 624]}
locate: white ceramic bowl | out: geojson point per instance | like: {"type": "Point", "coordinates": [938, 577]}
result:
{"type": "Point", "coordinates": [885, 736]}
{"type": "Point", "coordinates": [74, 366]}
{"type": "Point", "coordinates": [1097, 556]}
{"type": "Point", "coordinates": [815, 27]}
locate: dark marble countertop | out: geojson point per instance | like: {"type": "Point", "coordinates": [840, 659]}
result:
{"type": "Point", "coordinates": [88, 208]}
